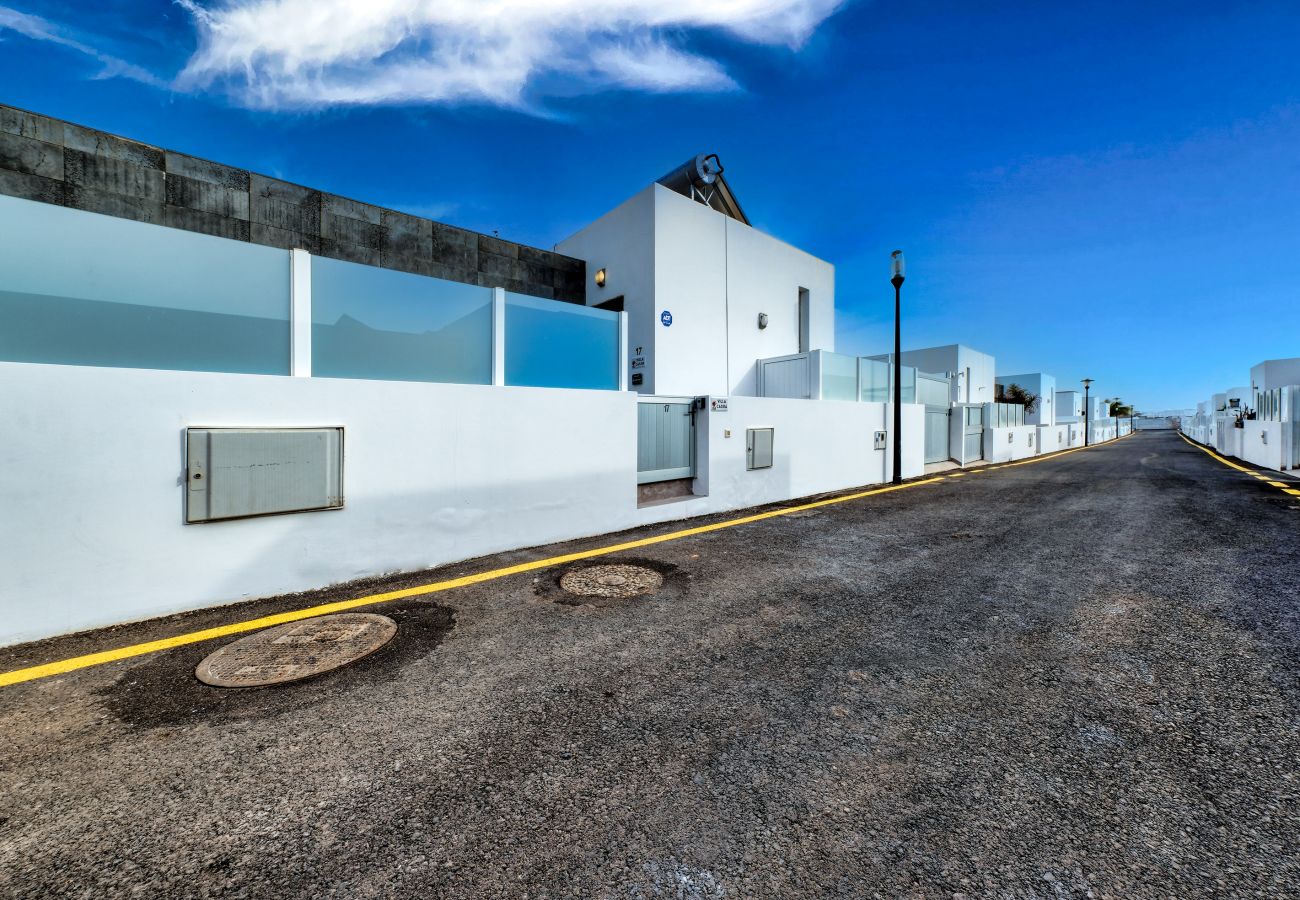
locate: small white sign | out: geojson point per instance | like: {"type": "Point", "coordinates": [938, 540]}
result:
{"type": "Point", "coordinates": [718, 404]}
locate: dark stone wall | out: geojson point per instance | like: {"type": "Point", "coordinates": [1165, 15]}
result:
{"type": "Point", "coordinates": [58, 162]}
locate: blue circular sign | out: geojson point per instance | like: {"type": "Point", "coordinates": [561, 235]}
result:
{"type": "Point", "coordinates": [666, 317]}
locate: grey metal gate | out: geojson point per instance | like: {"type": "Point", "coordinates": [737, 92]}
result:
{"type": "Point", "coordinates": [1295, 426]}
{"type": "Point", "coordinates": [934, 391]}
{"type": "Point", "coordinates": [665, 439]}
{"type": "Point", "coordinates": [973, 433]}
{"type": "Point", "coordinates": [936, 435]}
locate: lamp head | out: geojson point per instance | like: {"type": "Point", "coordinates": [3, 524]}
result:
{"type": "Point", "coordinates": [897, 268]}
{"type": "Point", "coordinates": [1087, 383]}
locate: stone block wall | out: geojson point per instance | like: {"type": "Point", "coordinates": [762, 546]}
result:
{"type": "Point", "coordinates": [53, 161]}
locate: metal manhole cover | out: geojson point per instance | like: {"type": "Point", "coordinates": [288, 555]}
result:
{"type": "Point", "coordinates": [296, 650]}
{"type": "Point", "coordinates": [611, 581]}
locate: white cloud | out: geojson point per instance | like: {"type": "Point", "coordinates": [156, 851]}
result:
{"type": "Point", "coordinates": [39, 29]}
{"type": "Point", "coordinates": [317, 53]}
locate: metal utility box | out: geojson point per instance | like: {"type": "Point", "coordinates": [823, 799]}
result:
{"type": "Point", "coordinates": [758, 448]}
{"type": "Point", "coordinates": [235, 473]}
{"type": "Point", "coordinates": [881, 438]}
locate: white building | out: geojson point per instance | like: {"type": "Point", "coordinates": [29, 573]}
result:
{"type": "Point", "coordinates": [973, 373]}
{"type": "Point", "coordinates": [1042, 386]}
{"type": "Point", "coordinates": [1055, 432]}
{"type": "Point", "coordinates": [706, 294]}
{"type": "Point", "coordinates": [1259, 423]}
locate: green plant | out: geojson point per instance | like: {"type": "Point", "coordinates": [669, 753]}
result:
{"type": "Point", "coordinates": [1014, 393]}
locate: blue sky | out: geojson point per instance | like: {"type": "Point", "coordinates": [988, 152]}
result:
{"type": "Point", "coordinates": [1110, 190]}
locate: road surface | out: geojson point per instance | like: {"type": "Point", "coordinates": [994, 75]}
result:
{"type": "Point", "coordinates": [1072, 678]}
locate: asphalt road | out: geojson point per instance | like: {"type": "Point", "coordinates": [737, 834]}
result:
{"type": "Point", "coordinates": [1077, 678]}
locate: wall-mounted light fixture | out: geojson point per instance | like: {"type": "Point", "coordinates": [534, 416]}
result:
{"type": "Point", "coordinates": [600, 278]}
{"type": "Point", "coordinates": [762, 321]}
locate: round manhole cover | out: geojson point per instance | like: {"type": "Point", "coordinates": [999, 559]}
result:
{"type": "Point", "coordinates": [611, 581]}
{"type": "Point", "coordinates": [296, 650]}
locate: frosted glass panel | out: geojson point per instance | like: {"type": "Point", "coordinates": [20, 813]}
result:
{"type": "Point", "coordinates": [877, 381]}
{"type": "Point", "coordinates": [909, 384]}
{"type": "Point", "coordinates": [368, 322]}
{"type": "Point", "coordinates": [874, 380]}
{"type": "Point", "coordinates": [1008, 415]}
{"type": "Point", "coordinates": [555, 344]}
{"type": "Point", "coordinates": [839, 376]}
{"type": "Point", "coordinates": [932, 390]}
{"type": "Point", "coordinates": [79, 288]}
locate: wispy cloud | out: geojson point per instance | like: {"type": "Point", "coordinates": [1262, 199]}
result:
{"type": "Point", "coordinates": [318, 53]}
{"type": "Point", "coordinates": [39, 29]}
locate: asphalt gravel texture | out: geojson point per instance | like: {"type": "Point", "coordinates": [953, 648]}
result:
{"type": "Point", "coordinates": [1076, 678]}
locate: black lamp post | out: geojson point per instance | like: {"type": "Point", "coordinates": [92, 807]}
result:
{"type": "Point", "coordinates": [1114, 414]}
{"type": "Point", "coordinates": [896, 274]}
{"type": "Point", "coordinates": [1087, 413]}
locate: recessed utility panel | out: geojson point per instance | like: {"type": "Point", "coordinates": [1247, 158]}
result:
{"type": "Point", "coordinates": [234, 473]}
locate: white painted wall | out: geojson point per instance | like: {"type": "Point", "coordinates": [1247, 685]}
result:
{"type": "Point", "coordinates": [1275, 373]}
{"type": "Point", "coordinates": [1008, 444]}
{"type": "Point", "coordinates": [1155, 423]}
{"type": "Point", "coordinates": [1227, 438]}
{"type": "Point", "coordinates": [1069, 404]}
{"type": "Point", "coordinates": [91, 484]}
{"type": "Point", "coordinates": [714, 275]}
{"type": "Point", "coordinates": [1099, 408]}
{"type": "Point", "coordinates": [818, 446]}
{"type": "Point", "coordinates": [690, 246]}
{"type": "Point", "coordinates": [1264, 443]}
{"type": "Point", "coordinates": [1102, 430]}
{"type": "Point", "coordinates": [764, 275]}
{"type": "Point", "coordinates": [1053, 437]}
{"type": "Point", "coordinates": [92, 481]}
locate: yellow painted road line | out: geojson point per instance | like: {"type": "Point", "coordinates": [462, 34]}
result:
{"type": "Point", "coordinates": [1227, 462]}
{"type": "Point", "coordinates": [61, 667]}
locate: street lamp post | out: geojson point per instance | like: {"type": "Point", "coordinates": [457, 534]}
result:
{"type": "Point", "coordinates": [896, 274]}
{"type": "Point", "coordinates": [1115, 414]}
{"type": "Point", "coordinates": [1087, 413]}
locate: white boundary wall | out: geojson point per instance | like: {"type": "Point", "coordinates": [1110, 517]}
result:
{"type": "Point", "coordinates": [1008, 444]}
{"type": "Point", "coordinates": [92, 481]}
{"type": "Point", "coordinates": [1264, 443]}
{"type": "Point", "coordinates": [818, 446]}
{"type": "Point", "coordinates": [91, 476]}
{"type": "Point", "coordinates": [1053, 437]}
